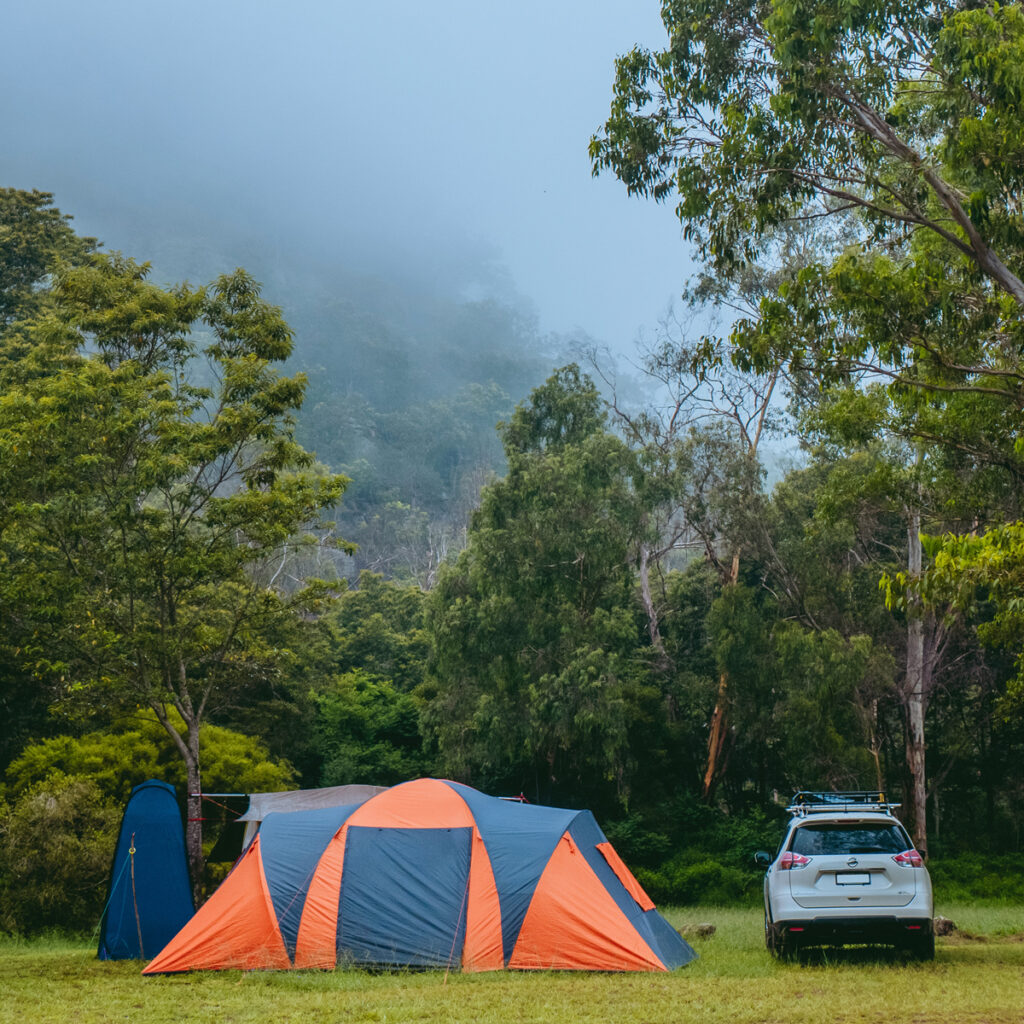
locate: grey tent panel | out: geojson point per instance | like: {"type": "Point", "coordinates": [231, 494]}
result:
{"type": "Point", "coordinates": [262, 804]}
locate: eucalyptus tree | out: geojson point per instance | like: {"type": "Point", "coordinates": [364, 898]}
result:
{"type": "Point", "coordinates": [34, 238]}
{"type": "Point", "coordinates": [699, 437]}
{"type": "Point", "coordinates": [898, 118]}
{"type": "Point", "coordinates": [756, 109]}
{"type": "Point", "coordinates": [534, 630]}
{"type": "Point", "coordinates": [151, 480]}
{"type": "Point", "coordinates": [902, 116]}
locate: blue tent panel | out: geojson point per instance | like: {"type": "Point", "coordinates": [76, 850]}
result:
{"type": "Point", "coordinates": [404, 896]}
{"type": "Point", "coordinates": [292, 845]}
{"type": "Point", "coordinates": [150, 898]}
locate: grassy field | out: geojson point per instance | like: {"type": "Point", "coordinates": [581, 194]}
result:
{"type": "Point", "coordinates": [977, 976]}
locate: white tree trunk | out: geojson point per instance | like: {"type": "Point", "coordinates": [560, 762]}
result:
{"type": "Point", "coordinates": [915, 692]}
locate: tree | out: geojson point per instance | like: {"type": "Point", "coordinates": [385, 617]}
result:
{"type": "Point", "coordinates": [377, 628]}
{"type": "Point", "coordinates": [902, 114]}
{"type": "Point", "coordinates": [56, 845]}
{"type": "Point", "coordinates": [368, 731]}
{"type": "Point", "coordinates": [153, 481]}
{"type": "Point", "coordinates": [533, 630]}
{"type": "Point", "coordinates": [34, 238]}
{"type": "Point", "coordinates": [755, 110]}
{"type": "Point", "coordinates": [700, 484]}
{"type": "Point", "coordinates": [67, 795]}
{"type": "Point", "coordinates": [139, 747]}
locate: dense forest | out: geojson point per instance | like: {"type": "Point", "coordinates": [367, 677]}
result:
{"type": "Point", "coordinates": [250, 540]}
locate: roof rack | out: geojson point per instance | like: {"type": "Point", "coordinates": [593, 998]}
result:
{"type": "Point", "coordinates": [807, 802]}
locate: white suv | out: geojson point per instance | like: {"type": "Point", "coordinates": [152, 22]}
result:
{"type": "Point", "coordinates": [846, 872]}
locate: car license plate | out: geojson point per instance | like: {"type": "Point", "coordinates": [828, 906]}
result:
{"type": "Point", "coordinates": [853, 878]}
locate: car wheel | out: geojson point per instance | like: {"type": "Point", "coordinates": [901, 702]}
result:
{"type": "Point", "coordinates": [787, 947]}
{"type": "Point", "coordinates": [922, 947]}
{"type": "Point", "coordinates": [769, 935]}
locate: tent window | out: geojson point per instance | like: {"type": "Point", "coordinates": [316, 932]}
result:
{"type": "Point", "coordinates": [625, 876]}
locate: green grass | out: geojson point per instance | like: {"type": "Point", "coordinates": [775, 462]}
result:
{"type": "Point", "coordinates": [979, 978]}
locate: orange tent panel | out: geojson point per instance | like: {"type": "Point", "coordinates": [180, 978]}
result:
{"type": "Point", "coordinates": [317, 944]}
{"type": "Point", "coordinates": [625, 876]}
{"type": "Point", "coordinates": [235, 929]}
{"type": "Point", "coordinates": [482, 949]}
{"type": "Point", "coordinates": [574, 923]}
{"type": "Point", "coordinates": [423, 803]}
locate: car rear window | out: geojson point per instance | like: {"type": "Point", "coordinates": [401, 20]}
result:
{"type": "Point", "coordinates": [825, 838]}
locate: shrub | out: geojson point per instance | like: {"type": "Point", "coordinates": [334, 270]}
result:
{"type": "Point", "coordinates": [686, 880]}
{"type": "Point", "coordinates": [973, 876]}
{"type": "Point", "coordinates": [119, 759]}
{"type": "Point", "coordinates": [65, 797]}
{"type": "Point", "coordinates": [56, 846]}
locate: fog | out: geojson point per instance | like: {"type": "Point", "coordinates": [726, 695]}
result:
{"type": "Point", "coordinates": [444, 144]}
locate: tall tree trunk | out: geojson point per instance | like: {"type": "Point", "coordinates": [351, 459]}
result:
{"type": "Point", "coordinates": [188, 747]}
{"type": "Point", "coordinates": [718, 735]}
{"type": "Point", "coordinates": [915, 692]}
{"type": "Point", "coordinates": [194, 825]}
{"type": "Point", "coordinates": [661, 659]}
{"type": "Point", "coordinates": [876, 747]}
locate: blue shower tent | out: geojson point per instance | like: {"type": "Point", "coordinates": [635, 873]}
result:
{"type": "Point", "coordinates": [150, 898]}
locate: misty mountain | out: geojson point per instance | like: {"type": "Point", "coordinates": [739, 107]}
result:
{"type": "Point", "coordinates": [408, 376]}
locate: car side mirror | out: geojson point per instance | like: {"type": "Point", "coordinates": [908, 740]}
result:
{"type": "Point", "coordinates": [762, 859]}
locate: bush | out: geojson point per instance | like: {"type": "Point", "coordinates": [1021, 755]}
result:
{"type": "Point", "coordinates": [119, 759]}
{"type": "Point", "coordinates": [974, 876]}
{"type": "Point", "coordinates": [65, 797]}
{"type": "Point", "coordinates": [688, 880]}
{"type": "Point", "coordinates": [56, 846]}
{"type": "Point", "coordinates": [368, 730]}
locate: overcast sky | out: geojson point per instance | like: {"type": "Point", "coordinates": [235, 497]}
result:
{"type": "Point", "coordinates": [428, 138]}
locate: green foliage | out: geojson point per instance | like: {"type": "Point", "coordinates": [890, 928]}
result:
{"type": "Point", "coordinates": [713, 863]}
{"type": "Point", "coordinates": [969, 877]}
{"type": "Point", "coordinates": [34, 237]}
{"type": "Point", "coordinates": [984, 576]}
{"type": "Point", "coordinates": [368, 732]}
{"type": "Point", "coordinates": [533, 629]}
{"type": "Point", "coordinates": [153, 489]}
{"type": "Point", "coordinates": [684, 882]}
{"type": "Point", "coordinates": [56, 845]}
{"type": "Point", "coordinates": [823, 718]}
{"type": "Point", "coordinates": [404, 394]}
{"type": "Point", "coordinates": [65, 799]}
{"type": "Point", "coordinates": [116, 761]}
{"type": "Point", "coordinates": [377, 627]}
{"type": "Point", "coordinates": [901, 112]}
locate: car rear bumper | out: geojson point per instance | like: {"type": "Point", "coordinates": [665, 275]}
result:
{"type": "Point", "coordinates": [877, 928]}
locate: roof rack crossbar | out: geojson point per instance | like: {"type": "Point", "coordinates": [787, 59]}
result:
{"type": "Point", "coordinates": [809, 802]}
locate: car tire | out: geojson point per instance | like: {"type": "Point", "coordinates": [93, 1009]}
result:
{"type": "Point", "coordinates": [778, 943]}
{"type": "Point", "coordinates": [787, 947]}
{"type": "Point", "coordinates": [922, 947]}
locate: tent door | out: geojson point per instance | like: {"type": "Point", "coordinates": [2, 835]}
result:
{"type": "Point", "coordinates": [404, 896]}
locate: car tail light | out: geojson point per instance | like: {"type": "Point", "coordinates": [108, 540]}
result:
{"type": "Point", "coordinates": [790, 860]}
{"type": "Point", "coordinates": [909, 859]}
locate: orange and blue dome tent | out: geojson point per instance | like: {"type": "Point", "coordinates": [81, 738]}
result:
{"type": "Point", "coordinates": [428, 873]}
